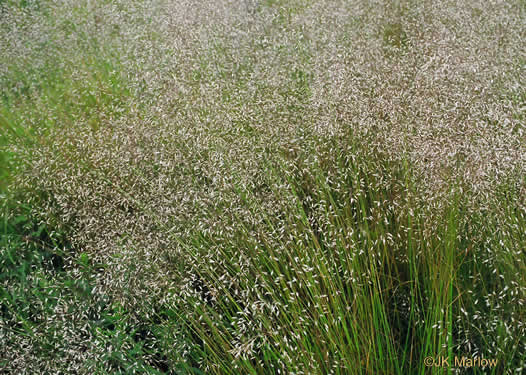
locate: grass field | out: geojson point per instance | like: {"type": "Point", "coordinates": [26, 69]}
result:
{"type": "Point", "coordinates": [262, 187]}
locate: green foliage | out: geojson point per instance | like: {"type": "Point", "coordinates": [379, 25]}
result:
{"type": "Point", "coordinates": [31, 4]}
{"type": "Point", "coordinates": [394, 35]}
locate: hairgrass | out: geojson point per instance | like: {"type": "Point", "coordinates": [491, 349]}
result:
{"type": "Point", "coordinates": [195, 202]}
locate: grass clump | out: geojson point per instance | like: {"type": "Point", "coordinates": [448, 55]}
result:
{"type": "Point", "coordinates": [260, 188]}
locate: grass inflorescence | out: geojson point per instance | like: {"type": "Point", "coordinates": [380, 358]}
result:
{"type": "Point", "coordinates": [261, 187]}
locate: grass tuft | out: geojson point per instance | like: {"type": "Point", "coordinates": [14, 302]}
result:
{"type": "Point", "coordinates": [261, 187]}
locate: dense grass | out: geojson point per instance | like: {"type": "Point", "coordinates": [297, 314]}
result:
{"type": "Point", "coordinates": [270, 187]}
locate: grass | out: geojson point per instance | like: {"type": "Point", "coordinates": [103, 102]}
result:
{"type": "Point", "coordinates": [229, 191]}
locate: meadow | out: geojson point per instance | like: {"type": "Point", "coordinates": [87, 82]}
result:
{"type": "Point", "coordinates": [262, 187]}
